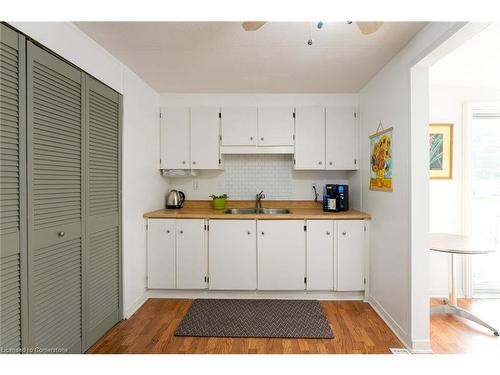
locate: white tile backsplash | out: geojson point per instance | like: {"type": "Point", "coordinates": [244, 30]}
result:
{"type": "Point", "coordinates": [246, 175]}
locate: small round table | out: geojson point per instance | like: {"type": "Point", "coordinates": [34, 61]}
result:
{"type": "Point", "coordinates": [455, 244]}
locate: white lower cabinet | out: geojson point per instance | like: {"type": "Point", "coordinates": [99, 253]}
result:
{"type": "Point", "coordinates": [161, 253]}
{"type": "Point", "coordinates": [191, 254]}
{"type": "Point", "coordinates": [232, 255]}
{"type": "Point", "coordinates": [281, 255]}
{"type": "Point", "coordinates": [320, 247]}
{"type": "Point", "coordinates": [256, 255]}
{"type": "Point", "coordinates": [349, 256]}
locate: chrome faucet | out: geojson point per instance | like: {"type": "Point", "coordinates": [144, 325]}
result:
{"type": "Point", "coordinates": [258, 199]}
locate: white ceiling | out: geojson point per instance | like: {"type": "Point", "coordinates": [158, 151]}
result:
{"type": "Point", "coordinates": [474, 64]}
{"type": "Point", "coordinates": [220, 57]}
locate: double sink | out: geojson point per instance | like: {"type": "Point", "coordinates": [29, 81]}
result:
{"type": "Point", "coordinates": [265, 211]}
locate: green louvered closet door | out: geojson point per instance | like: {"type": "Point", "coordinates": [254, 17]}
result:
{"type": "Point", "coordinates": [12, 188]}
{"type": "Point", "coordinates": [102, 241]}
{"type": "Point", "coordinates": [55, 202]}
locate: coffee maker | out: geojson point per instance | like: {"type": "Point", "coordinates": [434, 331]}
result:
{"type": "Point", "coordinates": [335, 198]}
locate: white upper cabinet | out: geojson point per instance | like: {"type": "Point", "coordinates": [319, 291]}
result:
{"type": "Point", "coordinates": [350, 259]}
{"type": "Point", "coordinates": [239, 126]}
{"type": "Point", "coordinates": [320, 235]}
{"type": "Point", "coordinates": [341, 139]}
{"type": "Point", "coordinates": [281, 255]}
{"type": "Point", "coordinates": [175, 138]}
{"type": "Point", "coordinates": [276, 126]}
{"type": "Point", "coordinates": [204, 138]}
{"type": "Point", "coordinates": [310, 138]}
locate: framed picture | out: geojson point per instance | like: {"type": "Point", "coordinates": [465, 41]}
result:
{"type": "Point", "coordinates": [440, 151]}
{"type": "Point", "coordinates": [381, 160]}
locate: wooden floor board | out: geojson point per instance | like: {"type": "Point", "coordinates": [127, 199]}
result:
{"type": "Point", "coordinates": [454, 335]}
{"type": "Point", "coordinates": [356, 327]}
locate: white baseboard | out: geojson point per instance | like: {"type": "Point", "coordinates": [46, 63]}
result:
{"type": "Point", "coordinates": [391, 323]}
{"type": "Point", "coordinates": [421, 347]}
{"type": "Point", "coordinates": [414, 346]}
{"type": "Point", "coordinates": [444, 293]}
{"type": "Point", "coordinates": [192, 294]}
{"type": "Point", "coordinates": [132, 309]}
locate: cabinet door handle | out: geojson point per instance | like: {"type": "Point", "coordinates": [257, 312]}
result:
{"type": "Point", "coordinates": [183, 162]}
{"type": "Point", "coordinates": [61, 234]}
{"type": "Point", "coordinates": [262, 233]}
{"type": "Point", "coordinates": [320, 162]}
{"type": "Point", "coordinates": [327, 233]}
{"type": "Point", "coordinates": [261, 138]}
{"type": "Point", "coordinates": [251, 138]}
{"type": "Point", "coordinates": [344, 233]}
{"type": "Point", "coordinates": [249, 233]}
{"type": "Point", "coordinates": [194, 162]}
{"type": "Point", "coordinates": [330, 163]}
{"type": "Point", "coordinates": [181, 231]}
{"type": "Point", "coordinates": [168, 231]}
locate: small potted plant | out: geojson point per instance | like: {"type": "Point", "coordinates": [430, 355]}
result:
{"type": "Point", "coordinates": [219, 201]}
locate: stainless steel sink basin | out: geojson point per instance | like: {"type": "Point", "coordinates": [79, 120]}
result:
{"type": "Point", "coordinates": [249, 211]}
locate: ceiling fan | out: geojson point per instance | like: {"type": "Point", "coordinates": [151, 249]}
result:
{"type": "Point", "coordinates": [366, 28]}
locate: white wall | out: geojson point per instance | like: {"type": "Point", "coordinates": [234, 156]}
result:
{"type": "Point", "coordinates": [209, 182]}
{"type": "Point", "coordinates": [393, 261]}
{"type": "Point", "coordinates": [446, 196]}
{"type": "Point", "coordinates": [143, 188]}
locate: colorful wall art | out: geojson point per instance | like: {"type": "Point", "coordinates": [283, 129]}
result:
{"type": "Point", "coordinates": [381, 160]}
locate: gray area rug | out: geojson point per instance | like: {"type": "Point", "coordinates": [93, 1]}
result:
{"type": "Point", "coordinates": [255, 318]}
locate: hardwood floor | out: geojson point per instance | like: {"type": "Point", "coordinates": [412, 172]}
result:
{"type": "Point", "coordinates": [356, 326]}
{"type": "Point", "coordinates": [451, 334]}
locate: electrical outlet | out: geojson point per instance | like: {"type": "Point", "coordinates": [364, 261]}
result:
{"type": "Point", "coordinates": [196, 185]}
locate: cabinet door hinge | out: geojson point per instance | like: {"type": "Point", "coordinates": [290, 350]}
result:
{"type": "Point", "coordinates": [220, 137]}
{"type": "Point", "coordinates": [305, 280]}
{"type": "Point", "coordinates": [160, 114]}
{"type": "Point", "coordinates": [219, 161]}
{"type": "Point", "coordinates": [293, 114]}
{"type": "Point", "coordinates": [355, 161]}
{"type": "Point", "coordinates": [305, 228]}
{"type": "Point", "coordinates": [364, 228]}
{"type": "Point", "coordinates": [355, 114]}
{"type": "Point", "coordinates": [294, 137]}
{"type": "Point", "coordinates": [364, 281]}
{"type": "Point", "coordinates": [220, 114]}
{"type": "Point", "coordinates": [293, 161]}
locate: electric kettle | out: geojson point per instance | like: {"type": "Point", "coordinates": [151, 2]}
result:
{"type": "Point", "coordinates": [175, 199]}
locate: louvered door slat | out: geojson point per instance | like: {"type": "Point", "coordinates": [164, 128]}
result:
{"type": "Point", "coordinates": [102, 256]}
{"type": "Point", "coordinates": [55, 163]}
{"type": "Point", "coordinates": [12, 180]}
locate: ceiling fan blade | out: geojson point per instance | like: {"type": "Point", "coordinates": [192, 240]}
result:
{"type": "Point", "coordinates": [369, 27]}
{"type": "Point", "coordinates": [252, 25]}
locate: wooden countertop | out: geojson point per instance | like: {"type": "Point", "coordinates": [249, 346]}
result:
{"type": "Point", "coordinates": [300, 210]}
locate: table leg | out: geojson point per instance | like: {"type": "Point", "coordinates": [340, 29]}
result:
{"type": "Point", "coordinates": [450, 306]}
{"type": "Point", "coordinates": [452, 300]}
